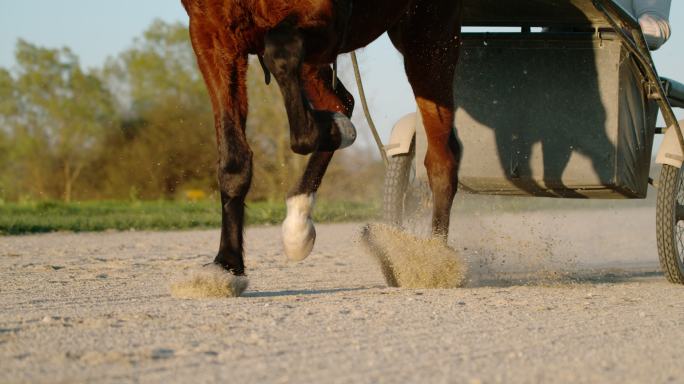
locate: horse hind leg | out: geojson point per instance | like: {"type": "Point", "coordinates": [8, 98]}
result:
{"type": "Point", "coordinates": [299, 234]}
{"type": "Point", "coordinates": [428, 39]}
{"type": "Point", "coordinates": [310, 129]}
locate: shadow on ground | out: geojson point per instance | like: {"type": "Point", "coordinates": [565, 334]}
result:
{"type": "Point", "coordinates": [304, 292]}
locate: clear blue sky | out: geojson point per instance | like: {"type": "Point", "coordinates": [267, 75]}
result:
{"type": "Point", "coordinates": [96, 29]}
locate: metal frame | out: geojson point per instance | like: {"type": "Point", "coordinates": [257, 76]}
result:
{"type": "Point", "coordinates": [620, 20]}
{"type": "Point", "coordinates": [602, 17]}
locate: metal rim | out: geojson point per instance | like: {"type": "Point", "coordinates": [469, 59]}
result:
{"type": "Point", "coordinates": [678, 217]}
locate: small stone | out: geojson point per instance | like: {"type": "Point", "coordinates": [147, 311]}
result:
{"type": "Point", "coordinates": [162, 353]}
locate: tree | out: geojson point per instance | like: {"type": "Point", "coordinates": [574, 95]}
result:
{"type": "Point", "coordinates": [166, 140]}
{"type": "Point", "coordinates": [141, 126]}
{"type": "Point", "coordinates": [7, 108]}
{"type": "Point", "coordinates": [168, 132]}
{"type": "Point", "coordinates": [56, 115]}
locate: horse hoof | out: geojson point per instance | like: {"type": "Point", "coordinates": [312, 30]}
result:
{"type": "Point", "coordinates": [299, 234]}
{"type": "Point", "coordinates": [346, 128]}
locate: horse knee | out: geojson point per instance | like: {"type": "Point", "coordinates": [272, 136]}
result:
{"type": "Point", "coordinates": [304, 144]}
{"type": "Point", "coordinates": [283, 51]}
{"type": "Point", "coordinates": [331, 131]}
{"type": "Point", "coordinates": [235, 173]}
{"type": "Point", "coordinates": [440, 162]}
{"type": "Point", "coordinates": [442, 170]}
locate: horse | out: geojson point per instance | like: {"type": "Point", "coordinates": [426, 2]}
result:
{"type": "Point", "coordinates": [296, 42]}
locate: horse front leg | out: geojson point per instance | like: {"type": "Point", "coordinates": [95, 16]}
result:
{"type": "Point", "coordinates": [311, 129]}
{"type": "Point", "coordinates": [234, 171]}
{"type": "Point", "coordinates": [224, 70]}
{"type": "Point", "coordinates": [298, 229]}
{"type": "Point", "coordinates": [234, 177]}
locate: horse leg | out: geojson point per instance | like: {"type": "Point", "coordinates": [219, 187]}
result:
{"type": "Point", "coordinates": [224, 71]}
{"type": "Point", "coordinates": [428, 37]}
{"type": "Point", "coordinates": [310, 129]}
{"type": "Point", "coordinates": [298, 229]}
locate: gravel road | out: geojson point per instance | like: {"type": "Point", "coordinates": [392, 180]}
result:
{"type": "Point", "coordinates": [563, 296]}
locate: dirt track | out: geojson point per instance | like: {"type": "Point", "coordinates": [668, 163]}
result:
{"type": "Point", "coordinates": [582, 302]}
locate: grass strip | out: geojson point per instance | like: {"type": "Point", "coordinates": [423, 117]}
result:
{"type": "Point", "coordinates": [42, 217]}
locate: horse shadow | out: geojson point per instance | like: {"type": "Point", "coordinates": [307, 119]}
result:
{"type": "Point", "coordinates": [303, 292]}
{"type": "Point", "coordinates": [545, 94]}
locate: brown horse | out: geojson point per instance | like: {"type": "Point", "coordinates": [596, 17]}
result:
{"type": "Point", "coordinates": [297, 41]}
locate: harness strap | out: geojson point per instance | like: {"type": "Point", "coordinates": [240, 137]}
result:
{"type": "Point", "coordinates": [334, 79]}
{"type": "Point", "coordinates": [346, 7]}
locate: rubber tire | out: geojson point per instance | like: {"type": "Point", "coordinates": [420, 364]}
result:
{"type": "Point", "coordinates": [666, 224]}
{"type": "Point", "coordinates": [396, 186]}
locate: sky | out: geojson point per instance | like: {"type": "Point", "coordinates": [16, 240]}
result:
{"type": "Point", "coordinates": [96, 29]}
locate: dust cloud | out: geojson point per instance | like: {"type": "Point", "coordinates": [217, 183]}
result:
{"type": "Point", "coordinates": [411, 262]}
{"type": "Point", "coordinates": [211, 281]}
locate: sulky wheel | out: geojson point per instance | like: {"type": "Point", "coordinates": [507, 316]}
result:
{"type": "Point", "coordinates": [670, 223]}
{"type": "Point", "coordinates": [397, 197]}
{"type": "Point", "coordinates": [400, 201]}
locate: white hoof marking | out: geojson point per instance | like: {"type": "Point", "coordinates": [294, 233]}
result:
{"type": "Point", "coordinates": [299, 234]}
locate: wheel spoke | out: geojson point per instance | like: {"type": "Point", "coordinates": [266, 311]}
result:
{"type": "Point", "coordinates": [679, 212]}
{"type": "Point", "coordinates": [679, 215]}
{"type": "Point", "coordinates": [670, 223]}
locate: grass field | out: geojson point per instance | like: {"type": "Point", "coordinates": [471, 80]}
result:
{"type": "Point", "coordinates": [40, 217]}
{"type": "Point", "coordinates": [25, 218]}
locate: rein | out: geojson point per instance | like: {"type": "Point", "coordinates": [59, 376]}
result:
{"type": "Point", "coordinates": [359, 82]}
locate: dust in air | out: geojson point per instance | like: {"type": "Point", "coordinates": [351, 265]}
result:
{"type": "Point", "coordinates": [411, 262]}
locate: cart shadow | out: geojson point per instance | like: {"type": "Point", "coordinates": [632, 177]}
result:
{"type": "Point", "coordinates": [553, 104]}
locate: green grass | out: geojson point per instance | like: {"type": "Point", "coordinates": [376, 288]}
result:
{"type": "Point", "coordinates": [25, 218]}
{"type": "Point", "coordinates": [41, 217]}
